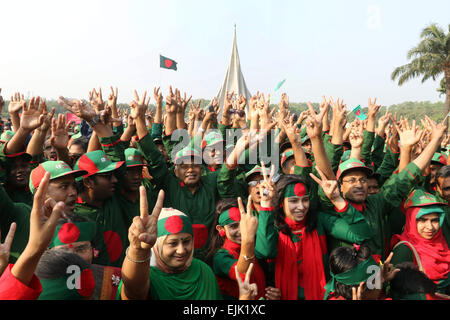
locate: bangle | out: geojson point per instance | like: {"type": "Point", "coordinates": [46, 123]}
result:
{"type": "Point", "coordinates": [247, 259]}
{"type": "Point", "coordinates": [137, 261]}
{"type": "Point", "coordinates": [201, 129]}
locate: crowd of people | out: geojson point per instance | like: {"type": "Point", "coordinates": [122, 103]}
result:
{"type": "Point", "coordinates": [256, 203]}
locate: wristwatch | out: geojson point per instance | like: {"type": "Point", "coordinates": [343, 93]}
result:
{"type": "Point", "coordinates": [94, 121]}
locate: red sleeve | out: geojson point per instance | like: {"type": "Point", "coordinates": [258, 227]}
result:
{"type": "Point", "coordinates": [12, 289]}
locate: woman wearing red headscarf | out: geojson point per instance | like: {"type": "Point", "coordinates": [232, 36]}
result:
{"type": "Point", "coordinates": [422, 240]}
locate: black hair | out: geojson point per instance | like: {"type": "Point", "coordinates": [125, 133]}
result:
{"type": "Point", "coordinates": [279, 215]}
{"type": "Point", "coordinates": [343, 259]}
{"type": "Point", "coordinates": [443, 172]}
{"type": "Point", "coordinates": [410, 280]}
{"type": "Point", "coordinates": [54, 263]}
{"type": "Point", "coordinates": [216, 240]}
{"type": "Point", "coordinates": [82, 142]}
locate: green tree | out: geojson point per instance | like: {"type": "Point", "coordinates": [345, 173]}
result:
{"type": "Point", "coordinates": [431, 59]}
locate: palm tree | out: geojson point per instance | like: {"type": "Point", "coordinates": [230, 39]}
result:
{"type": "Point", "coordinates": [431, 59]}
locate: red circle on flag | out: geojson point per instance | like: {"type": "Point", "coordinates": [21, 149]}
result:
{"type": "Point", "coordinates": [235, 214]}
{"type": "Point", "coordinates": [200, 235]}
{"type": "Point", "coordinates": [173, 224]}
{"type": "Point", "coordinates": [87, 283]}
{"type": "Point", "coordinates": [113, 245]}
{"type": "Point", "coordinates": [358, 112]}
{"type": "Point", "coordinates": [68, 233]}
{"type": "Point", "coordinates": [168, 63]}
{"type": "Point", "coordinates": [299, 189]}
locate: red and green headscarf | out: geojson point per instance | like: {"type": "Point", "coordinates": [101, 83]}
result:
{"type": "Point", "coordinates": [298, 189]}
{"type": "Point", "coordinates": [58, 288]}
{"type": "Point", "coordinates": [229, 216]}
{"type": "Point", "coordinates": [350, 277]}
{"type": "Point", "coordinates": [69, 232]}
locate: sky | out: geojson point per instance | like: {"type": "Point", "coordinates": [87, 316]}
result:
{"type": "Point", "coordinates": [345, 49]}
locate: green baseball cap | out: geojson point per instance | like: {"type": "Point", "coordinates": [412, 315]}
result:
{"type": "Point", "coordinates": [439, 158]}
{"type": "Point", "coordinates": [76, 135]}
{"type": "Point", "coordinates": [6, 136]}
{"type": "Point", "coordinates": [352, 164]}
{"type": "Point", "coordinates": [286, 155]}
{"type": "Point", "coordinates": [256, 170]}
{"type": "Point", "coordinates": [188, 152]}
{"type": "Point", "coordinates": [96, 162]}
{"type": "Point", "coordinates": [212, 138]}
{"type": "Point", "coordinates": [134, 158]}
{"type": "Point", "coordinates": [420, 198]}
{"type": "Point", "coordinates": [57, 169]}
{"type": "Point", "coordinates": [305, 138]}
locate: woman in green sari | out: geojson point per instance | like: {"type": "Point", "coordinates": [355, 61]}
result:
{"type": "Point", "coordinates": [159, 262]}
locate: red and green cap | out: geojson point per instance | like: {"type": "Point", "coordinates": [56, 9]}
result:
{"type": "Point", "coordinates": [439, 158]}
{"type": "Point", "coordinates": [173, 221]}
{"type": "Point", "coordinates": [188, 152]}
{"type": "Point", "coordinates": [57, 288]}
{"type": "Point", "coordinates": [57, 169]}
{"type": "Point", "coordinates": [70, 232]}
{"type": "Point", "coordinates": [352, 164]}
{"type": "Point", "coordinates": [211, 139]}
{"type": "Point", "coordinates": [257, 170]}
{"type": "Point", "coordinates": [298, 189]}
{"type": "Point", "coordinates": [421, 198]}
{"type": "Point", "coordinates": [96, 162]}
{"type": "Point", "coordinates": [134, 158]}
{"type": "Point", "coordinates": [286, 155]}
{"type": "Point", "coordinates": [305, 138]}
{"type": "Point", "coordinates": [6, 136]}
{"type": "Point", "coordinates": [229, 216]}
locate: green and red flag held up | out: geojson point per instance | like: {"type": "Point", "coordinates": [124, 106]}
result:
{"type": "Point", "coordinates": [167, 63]}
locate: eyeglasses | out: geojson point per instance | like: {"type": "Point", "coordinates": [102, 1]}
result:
{"type": "Point", "coordinates": [255, 182]}
{"type": "Point", "coordinates": [353, 180]}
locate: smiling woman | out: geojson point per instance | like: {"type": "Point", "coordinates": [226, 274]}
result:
{"type": "Point", "coordinates": [422, 241]}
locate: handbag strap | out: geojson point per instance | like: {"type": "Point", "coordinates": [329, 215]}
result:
{"type": "Point", "coordinates": [416, 254]}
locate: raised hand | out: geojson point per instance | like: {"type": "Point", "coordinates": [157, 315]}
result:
{"type": "Point", "coordinates": [357, 293]}
{"type": "Point", "coordinates": [6, 247]}
{"type": "Point", "coordinates": [44, 217]}
{"type": "Point", "coordinates": [228, 104]}
{"type": "Point", "coordinates": [47, 118]}
{"type": "Point", "coordinates": [139, 106]}
{"type": "Point", "coordinates": [437, 129]}
{"type": "Point", "coordinates": [382, 123]}
{"type": "Point", "coordinates": [32, 115]}
{"type": "Point", "coordinates": [171, 102]}
{"type": "Point", "coordinates": [409, 134]}
{"type": "Point", "coordinates": [16, 103]}
{"type": "Point", "coordinates": [80, 108]}
{"type": "Point", "coordinates": [330, 188]}
{"type": "Point", "coordinates": [142, 233]}
{"type": "Point", "coordinates": [96, 100]}
{"type": "Point", "coordinates": [184, 102]}
{"type": "Point", "coordinates": [388, 271]}
{"type": "Point", "coordinates": [374, 108]}
{"type": "Point", "coordinates": [247, 290]}
{"type": "Point", "coordinates": [356, 136]}
{"type": "Point", "coordinates": [112, 98]}
{"type": "Point", "coordinates": [339, 112]}
{"type": "Point", "coordinates": [267, 188]}
{"type": "Point", "coordinates": [60, 136]}
{"type": "Point", "coordinates": [249, 222]}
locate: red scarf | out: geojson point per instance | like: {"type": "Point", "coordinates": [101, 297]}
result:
{"type": "Point", "coordinates": [258, 275]}
{"type": "Point", "coordinates": [433, 253]}
{"type": "Point", "coordinates": [286, 267]}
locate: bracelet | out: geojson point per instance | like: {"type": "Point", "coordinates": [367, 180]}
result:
{"type": "Point", "coordinates": [247, 259]}
{"type": "Point", "coordinates": [137, 261]}
{"type": "Point", "coordinates": [201, 129]}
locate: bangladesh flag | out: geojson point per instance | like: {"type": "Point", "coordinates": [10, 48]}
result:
{"type": "Point", "coordinates": [359, 113]}
{"type": "Point", "coordinates": [167, 63]}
